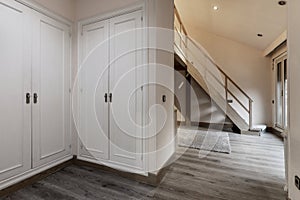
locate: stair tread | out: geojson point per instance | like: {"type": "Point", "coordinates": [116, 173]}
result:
{"type": "Point", "coordinates": [259, 128]}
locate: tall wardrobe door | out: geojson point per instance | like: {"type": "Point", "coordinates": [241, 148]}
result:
{"type": "Point", "coordinates": [15, 112]}
{"type": "Point", "coordinates": [126, 107]}
{"type": "Point", "coordinates": [50, 88]}
{"type": "Point", "coordinates": [93, 74]}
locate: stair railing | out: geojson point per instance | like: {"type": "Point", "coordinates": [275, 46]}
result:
{"type": "Point", "coordinates": [182, 44]}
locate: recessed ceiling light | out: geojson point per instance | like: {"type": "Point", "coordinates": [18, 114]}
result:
{"type": "Point", "coordinates": [215, 7]}
{"type": "Point", "coordinates": [282, 3]}
{"type": "Point", "coordinates": [260, 35]}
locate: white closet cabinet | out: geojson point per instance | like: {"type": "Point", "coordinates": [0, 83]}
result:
{"type": "Point", "coordinates": [35, 83]}
{"type": "Point", "coordinates": [15, 113]}
{"type": "Point", "coordinates": [50, 90]}
{"type": "Point", "coordinates": [110, 100]}
{"type": "Point", "coordinates": [94, 109]}
{"type": "Point", "coordinates": [125, 78]}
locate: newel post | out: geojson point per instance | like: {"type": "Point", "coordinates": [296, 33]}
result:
{"type": "Point", "coordinates": [250, 113]}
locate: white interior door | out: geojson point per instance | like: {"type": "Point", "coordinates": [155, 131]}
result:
{"type": "Point", "coordinates": [126, 102]}
{"type": "Point", "coordinates": [15, 118]}
{"type": "Point", "coordinates": [94, 91]}
{"type": "Point", "coordinates": [51, 84]}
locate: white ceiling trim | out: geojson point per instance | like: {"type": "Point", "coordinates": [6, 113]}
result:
{"type": "Point", "coordinates": [281, 39]}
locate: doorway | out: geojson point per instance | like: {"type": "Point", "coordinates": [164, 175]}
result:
{"type": "Point", "coordinates": [281, 83]}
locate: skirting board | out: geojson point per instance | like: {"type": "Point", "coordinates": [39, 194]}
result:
{"type": "Point", "coordinates": [151, 179]}
{"type": "Point", "coordinates": [275, 132]}
{"type": "Point", "coordinates": [35, 176]}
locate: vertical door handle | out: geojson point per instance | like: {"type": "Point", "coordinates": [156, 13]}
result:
{"type": "Point", "coordinates": [105, 97]}
{"type": "Point", "coordinates": [35, 98]}
{"type": "Point", "coordinates": [110, 97]}
{"type": "Point", "coordinates": [27, 98]}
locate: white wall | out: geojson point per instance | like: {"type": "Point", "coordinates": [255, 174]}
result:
{"type": "Point", "coordinates": [246, 66]}
{"type": "Point", "coordinates": [294, 79]}
{"type": "Point", "coordinates": [163, 13]}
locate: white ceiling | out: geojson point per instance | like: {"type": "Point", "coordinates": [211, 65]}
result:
{"type": "Point", "coordinates": [239, 20]}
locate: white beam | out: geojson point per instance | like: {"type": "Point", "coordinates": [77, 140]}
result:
{"type": "Point", "coordinates": [281, 39]}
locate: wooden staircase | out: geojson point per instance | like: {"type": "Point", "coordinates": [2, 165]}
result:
{"type": "Point", "coordinates": [216, 83]}
{"type": "Point", "coordinates": [220, 101]}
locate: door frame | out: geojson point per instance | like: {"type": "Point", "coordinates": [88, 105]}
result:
{"type": "Point", "coordinates": [280, 58]}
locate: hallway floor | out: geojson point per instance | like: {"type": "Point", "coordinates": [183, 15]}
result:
{"type": "Point", "coordinates": [253, 171]}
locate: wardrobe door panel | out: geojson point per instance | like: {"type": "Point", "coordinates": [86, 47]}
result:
{"type": "Point", "coordinates": [51, 84]}
{"type": "Point", "coordinates": [94, 88]}
{"type": "Point", "coordinates": [15, 112]}
{"type": "Point", "coordinates": [126, 106]}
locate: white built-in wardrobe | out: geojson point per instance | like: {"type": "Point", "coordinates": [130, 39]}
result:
{"type": "Point", "coordinates": [111, 92]}
{"type": "Point", "coordinates": [35, 91]}
{"type": "Point", "coordinates": [107, 101]}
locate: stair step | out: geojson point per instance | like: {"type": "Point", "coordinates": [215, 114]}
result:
{"type": "Point", "coordinates": [248, 132]}
{"type": "Point", "coordinates": [256, 130]}
{"type": "Point", "coordinates": [259, 128]}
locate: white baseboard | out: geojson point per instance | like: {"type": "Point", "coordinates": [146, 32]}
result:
{"type": "Point", "coordinates": [32, 172]}
{"type": "Point", "coordinates": [117, 166]}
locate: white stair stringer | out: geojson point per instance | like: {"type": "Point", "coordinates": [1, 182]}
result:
{"type": "Point", "coordinates": [218, 99]}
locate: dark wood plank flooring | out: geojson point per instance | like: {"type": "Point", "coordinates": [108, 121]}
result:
{"type": "Point", "coordinates": [253, 171]}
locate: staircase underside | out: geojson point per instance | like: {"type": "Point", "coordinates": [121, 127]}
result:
{"type": "Point", "coordinates": [219, 100]}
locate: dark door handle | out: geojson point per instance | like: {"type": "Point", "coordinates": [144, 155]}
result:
{"type": "Point", "coordinates": [105, 97]}
{"type": "Point", "coordinates": [35, 98]}
{"type": "Point", "coordinates": [110, 97]}
{"type": "Point", "coordinates": [27, 98]}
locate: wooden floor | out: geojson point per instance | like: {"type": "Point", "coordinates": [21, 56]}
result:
{"type": "Point", "coordinates": [253, 171]}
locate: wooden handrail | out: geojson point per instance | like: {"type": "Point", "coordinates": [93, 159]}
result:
{"type": "Point", "coordinates": [214, 76]}
{"type": "Point", "coordinates": [228, 80]}
{"type": "Point", "coordinates": [217, 66]}
{"type": "Point", "coordinates": [224, 74]}
{"type": "Point", "coordinates": [181, 37]}
{"type": "Point", "coordinates": [179, 20]}
{"type": "Point", "coordinates": [213, 62]}
{"type": "Point", "coordinates": [246, 109]}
